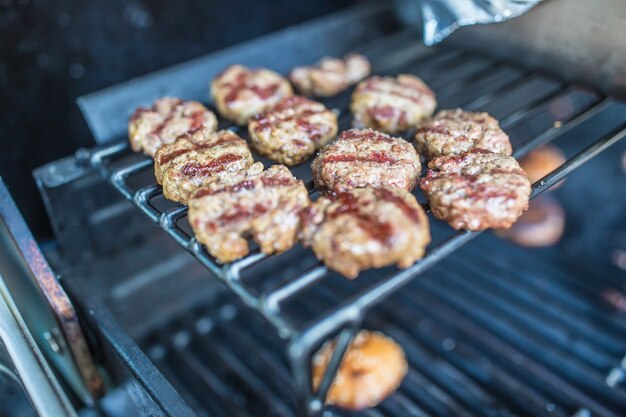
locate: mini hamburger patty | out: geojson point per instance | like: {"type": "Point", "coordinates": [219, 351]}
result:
{"type": "Point", "coordinates": [392, 104]}
{"type": "Point", "coordinates": [476, 190]}
{"type": "Point", "coordinates": [167, 119]}
{"type": "Point", "coordinates": [366, 228]}
{"type": "Point", "coordinates": [240, 92]}
{"type": "Point", "coordinates": [292, 130]}
{"type": "Point", "coordinates": [363, 158]}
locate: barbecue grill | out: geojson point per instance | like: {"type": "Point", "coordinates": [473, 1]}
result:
{"type": "Point", "coordinates": [488, 329]}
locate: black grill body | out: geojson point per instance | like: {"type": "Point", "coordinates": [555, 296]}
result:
{"type": "Point", "coordinates": [490, 330]}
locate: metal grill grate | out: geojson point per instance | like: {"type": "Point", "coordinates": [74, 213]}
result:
{"type": "Point", "coordinates": [478, 337]}
{"type": "Point", "coordinates": [533, 108]}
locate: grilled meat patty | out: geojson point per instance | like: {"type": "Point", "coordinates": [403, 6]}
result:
{"type": "Point", "coordinates": [240, 92]}
{"type": "Point", "coordinates": [263, 204]}
{"type": "Point", "coordinates": [363, 158]}
{"type": "Point", "coordinates": [167, 119]}
{"type": "Point", "coordinates": [372, 368]}
{"type": "Point", "coordinates": [476, 190]}
{"type": "Point", "coordinates": [330, 76]}
{"type": "Point", "coordinates": [197, 159]}
{"type": "Point", "coordinates": [366, 228]}
{"type": "Point", "coordinates": [292, 130]}
{"type": "Point", "coordinates": [392, 104]}
{"type": "Point", "coordinates": [451, 132]}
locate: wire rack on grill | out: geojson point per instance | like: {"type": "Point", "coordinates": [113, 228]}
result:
{"type": "Point", "coordinates": [534, 109]}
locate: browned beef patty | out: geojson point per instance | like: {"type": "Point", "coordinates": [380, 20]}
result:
{"type": "Point", "coordinates": [363, 158]}
{"type": "Point", "coordinates": [257, 203]}
{"type": "Point", "coordinates": [330, 76]}
{"type": "Point", "coordinates": [366, 228]}
{"type": "Point", "coordinates": [198, 159]}
{"type": "Point", "coordinates": [476, 190]}
{"type": "Point", "coordinates": [168, 118]}
{"type": "Point", "coordinates": [240, 92]}
{"type": "Point", "coordinates": [451, 132]}
{"type": "Point", "coordinates": [292, 130]}
{"type": "Point", "coordinates": [392, 104]}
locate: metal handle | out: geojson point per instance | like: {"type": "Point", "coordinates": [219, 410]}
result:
{"type": "Point", "coordinates": [48, 311]}
{"type": "Point", "coordinates": [27, 365]}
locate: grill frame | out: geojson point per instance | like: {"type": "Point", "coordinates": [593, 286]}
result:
{"type": "Point", "coordinates": [346, 318]}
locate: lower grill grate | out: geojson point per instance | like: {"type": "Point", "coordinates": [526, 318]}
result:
{"type": "Point", "coordinates": [534, 109]}
{"type": "Point", "coordinates": [504, 337]}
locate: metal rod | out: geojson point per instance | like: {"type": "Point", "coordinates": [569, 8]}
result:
{"type": "Point", "coordinates": [289, 288]}
{"type": "Point", "coordinates": [118, 177]}
{"type": "Point", "coordinates": [142, 200]}
{"type": "Point", "coordinates": [559, 129]}
{"type": "Point", "coordinates": [343, 342]}
{"type": "Point", "coordinates": [380, 291]}
{"type": "Point", "coordinates": [98, 157]}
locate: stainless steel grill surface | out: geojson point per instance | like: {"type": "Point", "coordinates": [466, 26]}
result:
{"type": "Point", "coordinates": [544, 359]}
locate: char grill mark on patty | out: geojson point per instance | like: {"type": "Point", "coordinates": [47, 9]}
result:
{"type": "Point", "coordinates": [257, 203]}
{"type": "Point", "coordinates": [365, 158]}
{"type": "Point", "coordinates": [365, 228]}
{"type": "Point", "coordinates": [150, 128]}
{"type": "Point", "coordinates": [216, 165]}
{"type": "Point", "coordinates": [476, 190]}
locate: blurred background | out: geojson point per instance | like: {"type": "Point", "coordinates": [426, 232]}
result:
{"type": "Point", "coordinates": [52, 51]}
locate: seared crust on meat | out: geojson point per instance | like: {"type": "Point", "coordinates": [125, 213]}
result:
{"type": "Point", "coordinates": [366, 228]}
{"type": "Point", "coordinates": [330, 76]}
{"type": "Point", "coordinates": [392, 105]}
{"type": "Point", "coordinates": [167, 119]}
{"type": "Point", "coordinates": [362, 158]}
{"type": "Point", "coordinates": [240, 92]}
{"type": "Point", "coordinates": [198, 159]}
{"type": "Point", "coordinates": [263, 204]}
{"type": "Point", "coordinates": [451, 132]}
{"type": "Point", "coordinates": [292, 130]}
{"type": "Point", "coordinates": [372, 368]}
{"type": "Point", "coordinates": [476, 190]}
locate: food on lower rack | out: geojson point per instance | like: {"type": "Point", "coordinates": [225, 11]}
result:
{"type": "Point", "coordinates": [366, 228]}
{"type": "Point", "coordinates": [451, 132]}
{"type": "Point", "coordinates": [542, 161]}
{"type": "Point", "coordinates": [392, 105]}
{"type": "Point", "coordinates": [197, 159]}
{"type": "Point", "coordinates": [362, 158]}
{"type": "Point", "coordinates": [167, 119]}
{"type": "Point", "coordinates": [476, 190]}
{"type": "Point", "coordinates": [371, 370]}
{"type": "Point", "coordinates": [292, 130]}
{"type": "Point", "coordinates": [257, 203]}
{"type": "Point", "coordinates": [330, 76]}
{"type": "Point", "coordinates": [542, 224]}
{"type": "Point", "coordinates": [240, 92]}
